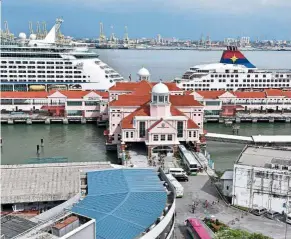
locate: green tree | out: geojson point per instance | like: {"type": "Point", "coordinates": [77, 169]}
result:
{"type": "Point", "coordinates": [238, 234]}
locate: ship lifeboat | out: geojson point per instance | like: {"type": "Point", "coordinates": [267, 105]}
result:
{"type": "Point", "coordinates": [37, 87]}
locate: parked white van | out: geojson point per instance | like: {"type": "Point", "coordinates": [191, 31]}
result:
{"type": "Point", "coordinates": [179, 174]}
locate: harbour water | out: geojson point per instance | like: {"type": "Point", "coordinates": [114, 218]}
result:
{"type": "Point", "coordinates": [78, 142]}
{"type": "Point", "coordinates": [168, 64]}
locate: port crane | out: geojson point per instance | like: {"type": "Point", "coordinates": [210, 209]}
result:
{"type": "Point", "coordinates": [7, 35]}
{"type": "Point", "coordinates": [126, 38]}
{"type": "Point", "coordinates": [30, 27]}
{"type": "Point", "coordinates": [102, 37]}
{"type": "Point", "coordinates": [44, 31]}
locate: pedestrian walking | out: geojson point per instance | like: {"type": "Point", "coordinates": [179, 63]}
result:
{"type": "Point", "coordinates": [193, 208]}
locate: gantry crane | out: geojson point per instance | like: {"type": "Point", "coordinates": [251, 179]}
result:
{"type": "Point", "coordinates": [7, 34]}
{"type": "Point", "coordinates": [126, 38]}
{"type": "Point", "coordinates": [102, 37]}
{"type": "Point", "coordinates": [30, 28]}
{"type": "Point", "coordinates": [38, 31]}
{"type": "Point", "coordinates": [44, 31]}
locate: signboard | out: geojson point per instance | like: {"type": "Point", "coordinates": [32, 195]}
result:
{"type": "Point", "coordinates": [93, 98]}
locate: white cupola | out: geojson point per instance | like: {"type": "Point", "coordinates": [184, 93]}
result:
{"type": "Point", "coordinates": [160, 104]}
{"type": "Point", "coordinates": [160, 94]}
{"type": "Point", "coordinates": [143, 74]}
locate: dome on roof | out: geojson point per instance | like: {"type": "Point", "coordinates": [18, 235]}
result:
{"type": "Point", "coordinates": [160, 88]}
{"type": "Point", "coordinates": [143, 72]}
{"type": "Point", "coordinates": [22, 35]}
{"type": "Point", "coordinates": [32, 37]}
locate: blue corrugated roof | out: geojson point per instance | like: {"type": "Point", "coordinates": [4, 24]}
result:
{"type": "Point", "coordinates": [124, 202]}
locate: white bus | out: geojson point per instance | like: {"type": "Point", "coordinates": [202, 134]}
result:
{"type": "Point", "coordinates": [178, 187]}
{"type": "Point", "coordinates": [191, 164]}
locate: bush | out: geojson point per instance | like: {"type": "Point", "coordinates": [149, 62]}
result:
{"type": "Point", "coordinates": [238, 234]}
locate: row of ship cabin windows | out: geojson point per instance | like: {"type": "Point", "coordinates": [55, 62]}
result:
{"type": "Point", "coordinates": [37, 62]}
{"type": "Point", "coordinates": [39, 67]}
{"type": "Point", "coordinates": [22, 71]}
{"type": "Point", "coordinates": [244, 80]}
{"type": "Point", "coordinates": [80, 81]}
{"type": "Point", "coordinates": [39, 76]}
{"type": "Point", "coordinates": [234, 85]}
{"type": "Point", "coordinates": [248, 76]}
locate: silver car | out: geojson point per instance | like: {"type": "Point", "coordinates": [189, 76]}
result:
{"type": "Point", "coordinates": [259, 211]}
{"type": "Point", "coordinates": [272, 215]}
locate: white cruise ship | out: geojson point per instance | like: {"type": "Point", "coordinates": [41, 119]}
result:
{"type": "Point", "coordinates": [233, 72]}
{"type": "Point", "coordinates": [44, 64]}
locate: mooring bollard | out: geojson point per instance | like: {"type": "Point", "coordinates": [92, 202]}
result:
{"type": "Point", "coordinates": [41, 143]}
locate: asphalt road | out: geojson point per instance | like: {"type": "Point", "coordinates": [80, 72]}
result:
{"type": "Point", "coordinates": [199, 189]}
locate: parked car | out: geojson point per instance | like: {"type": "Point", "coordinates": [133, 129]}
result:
{"type": "Point", "coordinates": [259, 211]}
{"type": "Point", "coordinates": [273, 215]}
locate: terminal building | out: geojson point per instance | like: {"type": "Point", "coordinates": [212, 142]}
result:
{"type": "Point", "coordinates": [70, 104]}
{"type": "Point", "coordinates": [228, 103]}
{"type": "Point", "coordinates": [113, 203]}
{"type": "Point", "coordinates": [156, 114]}
{"type": "Point", "coordinates": [261, 178]}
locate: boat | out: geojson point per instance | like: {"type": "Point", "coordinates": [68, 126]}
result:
{"type": "Point", "coordinates": [112, 46]}
{"type": "Point", "coordinates": [233, 72]}
{"type": "Point", "coordinates": [50, 61]}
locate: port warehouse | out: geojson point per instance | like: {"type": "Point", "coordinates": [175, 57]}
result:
{"type": "Point", "coordinates": [92, 105]}
{"type": "Point", "coordinates": [260, 178]}
{"type": "Point", "coordinates": [135, 202]}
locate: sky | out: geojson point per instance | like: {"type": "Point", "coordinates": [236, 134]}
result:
{"type": "Point", "coordinates": [183, 19]}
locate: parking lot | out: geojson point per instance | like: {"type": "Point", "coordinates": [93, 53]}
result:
{"type": "Point", "coordinates": [199, 189]}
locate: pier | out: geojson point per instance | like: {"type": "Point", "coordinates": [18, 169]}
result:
{"type": "Point", "coordinates": [39, 119]}
{"type": "Point", "coordinates": [280, 140]}
{"type": "Point", "coordinates": [249, 117]}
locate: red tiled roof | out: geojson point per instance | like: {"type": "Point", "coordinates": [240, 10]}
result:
{"type": "Point", "coordinates": [124, 86]}
{"type": "Point", "coordinates": [130, 100]}
{"type": "Point", "coordinates": [211, 94]}
{"type": "Point", "coordinates": [274, 92]}
{"type": "Point", "coordinates": [137, 86]}
{"type": "Point", "coordinates": [23, 94]}
{"type": "Point", "coordinates": [127, 122]}
{"type": "Point", "coordinates": [43, 94]}
{"type": "Point", "coordinates": [78, 94]}
{"type": "Point", "coordinates": [184, 100]}
{"type": "Point", "coordinates": [144, 88]}
{"type": "Point", "coordinates": [287, 94]}
{"type": "Point", "coordinates": [171, 86]}
{"type": "Point", "coordinates": [250, 94]}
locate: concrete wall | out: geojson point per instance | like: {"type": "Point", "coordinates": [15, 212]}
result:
{"type": "Point", "coordinates": [255, 187]}
{"type": "Point", "coordinates": [227, 188]}
{"type": "Point", "coordinates": [85, 231]}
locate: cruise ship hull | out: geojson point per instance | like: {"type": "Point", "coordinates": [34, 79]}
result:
{"type": "Point", "coordinates": [233, 72]}
{"type": "Point", "coordinates": [45, 64]}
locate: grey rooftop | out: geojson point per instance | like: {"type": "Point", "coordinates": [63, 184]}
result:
{"type": "Point", "coordinates": [264, 156]}
{"type": "Point", "coordinates": [43, 182]}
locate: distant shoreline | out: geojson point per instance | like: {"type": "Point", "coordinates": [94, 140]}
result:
{"type": "Point", "coordinates": [190, 49]}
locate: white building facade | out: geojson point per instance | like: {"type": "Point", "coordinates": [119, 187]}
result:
{"type": "Point", "coordinates": [262, 179]}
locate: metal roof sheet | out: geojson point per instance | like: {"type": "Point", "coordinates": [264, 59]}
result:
{"type": "Point", "coordinates": [124, 202]}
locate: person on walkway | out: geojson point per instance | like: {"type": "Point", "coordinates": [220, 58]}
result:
{"type": "Point", "coordinates": [193, 208]}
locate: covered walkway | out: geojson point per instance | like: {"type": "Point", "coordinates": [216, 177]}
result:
{"type": "Point", "coordinates": [280, 140]}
